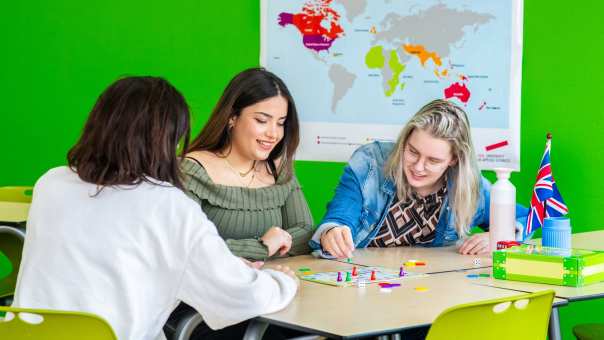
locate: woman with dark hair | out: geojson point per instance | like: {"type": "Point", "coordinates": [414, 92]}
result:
{"type": "Point", "coordinates": [110, 233]}
{"type": "Point", "coordinates": [240, 169]}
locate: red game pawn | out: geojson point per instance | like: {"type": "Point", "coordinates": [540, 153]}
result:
{"type": "Point", "coordinates": [339, 279]}
{"type": "Point", "coordinates": [354, 271]}
{"type": "Point", "coordinates": [372, 275]}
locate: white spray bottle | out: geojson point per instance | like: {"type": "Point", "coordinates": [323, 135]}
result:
{"type": "Point", "coordinates": [502, 220]}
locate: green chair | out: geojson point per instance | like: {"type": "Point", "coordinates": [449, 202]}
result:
{"type": "Point", "coordinates": [11, 244]}
{"type": "Point", "coordinates": [12, 237]}
{"type": "Point", "coordinates": [38, 324]}
{"type": "Point", "coordinates": [6, 267]}
{"type": "Point", "coordinates": [16, 194]}
{"type": "Point", "coordinates": [589, 331]}
{"type": "Point", "coordinates": [520, 317]}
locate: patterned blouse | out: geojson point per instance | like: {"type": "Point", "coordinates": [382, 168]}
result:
{"type": "Point", "coordinates": [411, 221]}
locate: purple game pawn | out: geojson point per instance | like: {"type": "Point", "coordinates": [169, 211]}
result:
{"type": "Point", "coordinates": [401, 272]}
{"type": "Point", "coordinates": [339, 276]}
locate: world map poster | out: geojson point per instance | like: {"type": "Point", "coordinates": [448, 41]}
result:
{"type": "Point", "coordinates": [359, 69]}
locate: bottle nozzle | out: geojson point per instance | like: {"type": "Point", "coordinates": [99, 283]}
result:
{"type": "Point", "coordinates": [503, 173]}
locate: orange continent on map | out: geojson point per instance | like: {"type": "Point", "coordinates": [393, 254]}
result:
{"type": "Point", "coordinates": [420, 52]}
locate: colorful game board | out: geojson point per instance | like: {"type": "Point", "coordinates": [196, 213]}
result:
{"type": "Point", "coordinates": [363, 275]}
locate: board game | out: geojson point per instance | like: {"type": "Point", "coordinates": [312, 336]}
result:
{"type": "Point", "coordinates": [363, 276]}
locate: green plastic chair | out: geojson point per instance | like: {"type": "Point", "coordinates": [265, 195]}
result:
{"type": "Point", "coordinates": [520, 317]}
{"type": "Point", "coordinates": [39, 324]}
{"type": "Point", "coordinates": [16, 194]}
{"type": "Point", "coordinates": [589, 331]}
{"type": "Point", "coordinates": [12, 238]}
{"type": "Point", "coordinates": [11, 245]}
{"type": "Point", "coordinates": [6, 267]}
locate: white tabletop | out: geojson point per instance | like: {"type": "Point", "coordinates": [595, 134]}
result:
{"type": "Point", "coordinates": [437, 259]}
{"type": "Point", "coordinates": [592, 291]}
{"type": "Point", "coordinates": [593, 240]}
{"type": "Point", "coordinates": [353, 311]}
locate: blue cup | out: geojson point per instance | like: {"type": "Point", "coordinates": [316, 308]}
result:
{"type": "Point", "coordinates": [556, 232]}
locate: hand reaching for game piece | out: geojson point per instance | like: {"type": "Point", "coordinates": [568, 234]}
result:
{"type": "Point", "coordinates": [338, 242]}
{"type": "Point", "coordinates": [476, 244]}
{"type": "Point", "coordinates": [277, 239]}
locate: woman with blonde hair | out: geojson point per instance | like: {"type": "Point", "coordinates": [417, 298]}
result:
{"type": "Point", "coordinates": [425, 189]}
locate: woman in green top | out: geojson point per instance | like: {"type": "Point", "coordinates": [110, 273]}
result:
{"type": "Point", "coordinates": [240, 169]}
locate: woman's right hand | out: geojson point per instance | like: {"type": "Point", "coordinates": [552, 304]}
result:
{"type": "Point", "coordinates": [338, 242]}
{"type": "Point", "coordinates": [277, 239]}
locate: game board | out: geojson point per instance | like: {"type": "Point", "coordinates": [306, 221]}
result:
{"type": "Point", "coordinates": [363, 274]}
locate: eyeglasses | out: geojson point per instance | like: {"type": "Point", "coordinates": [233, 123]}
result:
{"type": "Point", "coordinates": [411, 156]}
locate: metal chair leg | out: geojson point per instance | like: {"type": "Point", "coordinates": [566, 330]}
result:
{"type": "Point", "coordinates": [186, 326]}
{"type": "Point", "coordinates": [553, 331]}
{"type": "Point", "coordinates": [255, 330]}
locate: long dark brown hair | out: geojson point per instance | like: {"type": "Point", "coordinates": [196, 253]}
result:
{"type": "Point", "coordinates": [245, 89]}
{"type": "Point", "coordinates": [132, 134]}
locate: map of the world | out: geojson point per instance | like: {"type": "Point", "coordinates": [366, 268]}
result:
{"type": "Point", "coordinates": [358, 69]}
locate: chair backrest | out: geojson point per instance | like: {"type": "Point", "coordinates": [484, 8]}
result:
{"type": "Point", "coordinates": [16, 194]}
{"type": "Point", "coordinates": [6, 267]}
{"type": "Point", "coordinates": [11, 244]}
{"type": "Point", "coordinates": [22, 324]}
{"type": "Point", "coordinates": [520, 317]}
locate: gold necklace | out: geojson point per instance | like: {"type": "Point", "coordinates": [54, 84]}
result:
{"type": "Point", "coordinates": [241, 174]}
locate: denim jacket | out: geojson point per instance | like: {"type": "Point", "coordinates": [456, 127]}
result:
{"type": "Point", "coordinates": [364, 195]}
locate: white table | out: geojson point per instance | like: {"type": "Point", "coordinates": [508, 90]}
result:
{"type": "Point", "coordinates": [347, 312]}
{"type": "Point", "coordinates": [437, 259]}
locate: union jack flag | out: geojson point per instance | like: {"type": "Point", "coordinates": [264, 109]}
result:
{"type": "Point", "coordinates": [546, 200]}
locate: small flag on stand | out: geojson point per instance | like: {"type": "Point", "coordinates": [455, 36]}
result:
{"type": "Point", "coordinates": [546, 200]}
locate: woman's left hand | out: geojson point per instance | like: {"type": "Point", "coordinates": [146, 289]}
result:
{"type": "Point", "coordinates": [276, 239]}
{"type": "Point", "coordinates": [475, 245]}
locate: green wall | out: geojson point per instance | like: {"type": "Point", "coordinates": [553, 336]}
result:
{"type": "Point", "coordinates": [57, 56]}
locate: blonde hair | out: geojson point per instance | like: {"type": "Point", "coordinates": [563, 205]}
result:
{"type": "Point", "coordinates": [446, 121]}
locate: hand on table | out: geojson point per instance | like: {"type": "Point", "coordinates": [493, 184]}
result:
{"type": "Point", "coordinates": [277, 239]}
{"type": "Point", "coordinates": [254, 264]}
{"type": "Point", "coordinates": [477, 244]}
{"type": "Point", "coordinates": [338, 242]}
{"type": "Point", "coordinates": [287, 271]}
